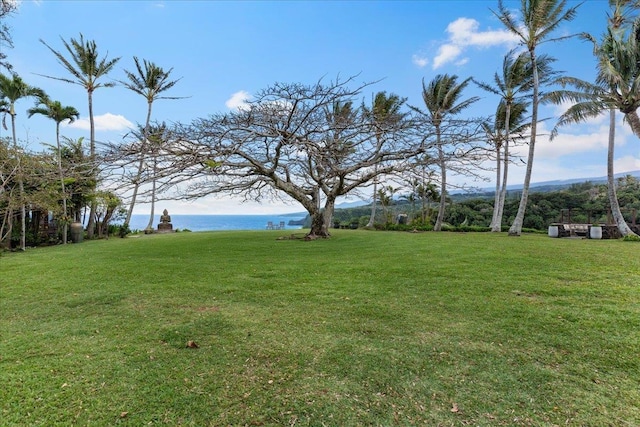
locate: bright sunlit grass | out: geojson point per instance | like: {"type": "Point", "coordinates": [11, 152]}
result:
{"type": "Point", "coordinates": [367, 328]}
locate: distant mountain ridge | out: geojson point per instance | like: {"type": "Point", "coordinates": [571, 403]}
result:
{"type": "Point", "coordinates": [566, 182]}
{"type": "Point", "coordinates": [537, 186]}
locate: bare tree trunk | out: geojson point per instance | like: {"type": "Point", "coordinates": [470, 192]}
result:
{"type": "Point", "coordinates": [611, 185]}
{"type": "Point", "coordinates": [318, 227]}
{"type": "Point", "coordinates": [328, 214]}
{"type": "Point", "coordinates": [92, 155]}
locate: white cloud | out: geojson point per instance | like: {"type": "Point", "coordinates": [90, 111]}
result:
{"type": "Point", "coordinates": [446, 53]}
{"type": "Point", "coordinates": [420, 61]}
{"type": "Point", "coordinates": [464, 33]}
{"type": "Point", "coordinates": [103, 122]}
{"type": "Point", "coordinates": [626, 164]}
{"type": "Point", "coordinates": [238, 100]}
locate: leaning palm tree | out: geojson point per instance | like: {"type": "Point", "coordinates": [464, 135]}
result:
{"type": "Point", "coordinates": [512, 85]}
{"type": "Point", "coordinates": [11, 90]}
{"type": "Point", "coordinates": [442, 99]}
{"type": "Point", "coordinates": [55, 111]}
{"type": "Point", "coordinates": [617, 87]}
{"type": "Point", "coordinates": [508, 124]}
{"type": "Point", "coordinates": [384, 112]}
{"type": "Point", "coordinates": [149, 81]}
{"type": "Point", "coordinates": [540, 18]}
{"type": "Point", "coordinates": [86, 69]}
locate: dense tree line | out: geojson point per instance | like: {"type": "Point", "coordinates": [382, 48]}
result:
{"type": "Point", "coordinates": [583, 203]}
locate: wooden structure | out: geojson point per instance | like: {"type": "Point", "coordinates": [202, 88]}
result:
{"type": "Point", "coordinates": [568, 228]}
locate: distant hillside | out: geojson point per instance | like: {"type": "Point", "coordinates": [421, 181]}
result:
{"type": "Point", "coordinates": [567, 182]}
{"type": "Point", "coordinates": [542, 187]}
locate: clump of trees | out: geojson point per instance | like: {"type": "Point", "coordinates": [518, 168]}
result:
{"type": "Point", "coordinates": [584, 203]}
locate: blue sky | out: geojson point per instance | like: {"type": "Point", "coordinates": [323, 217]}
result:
{"type": "Point", "coordinates": [224, 51]}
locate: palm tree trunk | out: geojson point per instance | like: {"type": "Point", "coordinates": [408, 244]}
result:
{"type": "Point", "coordinates": [611, 185]}
{"type": "Point", "coordinates": [443, 183]}
{"type": "Point", "coordinates": [496, 200]}
{"type": "Point", "coordinates": [64, 194]}
{"type": "Point", "coordinates": [516, 227]}
{"type": "Point", "coordinates": [499, 205]}
{"type": "Point", "coordinates": [136, 186]}
{"type": "Point", "coordinates": [140, 164]}
{"type": "Point", "coordinates": [23, 208]}
{"type": "Point", "coordinates": [503, 190]}
{"type": "Point", "coordinates": [92, 155]}
{"type": "Point", "coordinates": [153, 197]}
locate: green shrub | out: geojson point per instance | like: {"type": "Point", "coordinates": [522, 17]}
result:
{"type": "Point", "coordinates": [631, 238]}
{"type": "Point", "coordinates": [123, 230]}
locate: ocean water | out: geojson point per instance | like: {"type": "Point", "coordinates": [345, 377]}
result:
{"type": "Point", "coordinates": [218, 222]}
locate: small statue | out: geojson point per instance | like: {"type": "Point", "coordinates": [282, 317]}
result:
{"type": "Point", "coordinates": [165, 222]}
{"type": "Point", "coordinates": [165, 218]}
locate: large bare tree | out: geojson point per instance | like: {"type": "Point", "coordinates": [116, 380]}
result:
{"type": "Point", "coordinates": [295, 140]}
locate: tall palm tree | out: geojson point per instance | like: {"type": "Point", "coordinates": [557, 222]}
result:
{"type": "Point", "coordinates": [85, 67]}
{"type": "Point", "coordinates": [13, 89]}
{"type": "Point", "coordinates": [149, 81]}
{"type": "Point", "coordinates": [508, 123]}
{"type": "Point", "coordinates": [511, 86]}
{"type": "Point", "coordinates": [55, 111]}
{"type": "Point", "coordinates": [617, 87]}
{"type": "Point", "coordinates": [442, 99]}
{"type": "Point", "coordinates": [384, 112]}
{"type": "Point", "coordinates": [540, 18]}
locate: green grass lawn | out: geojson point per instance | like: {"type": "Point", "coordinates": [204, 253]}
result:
{"type": "Point", "coordinates": [367, 328]}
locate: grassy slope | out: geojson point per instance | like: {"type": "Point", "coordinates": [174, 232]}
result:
{"type": "Point", "coordinates": [367, 328]}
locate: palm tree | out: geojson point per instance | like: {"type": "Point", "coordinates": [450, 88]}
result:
{"type": "Point", "coordinates": [149, 81]}
{"type": "Point", "coordinates": [384, 112]}
{"type": "Point", "coordinates": [540, 18]}
{"type": "Point", "coordinates": [156, 138]}
{"type": "Point", "coordinates": [86, 69]}
{"type": "Point", "coordinates": [385, 194]}
{"type": "Point", "coordinates": [508, 124]}
{"type": "Point", "coordinates": [512, 86]}
{"type": "Point", "coordinates": [58, 113]}
{"type": "Point", "coordinates": [11, 90]}
{"type": "Point", "coordinates": [442, 99]}
{"type": "Point", "coordinates": [617, 86]}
